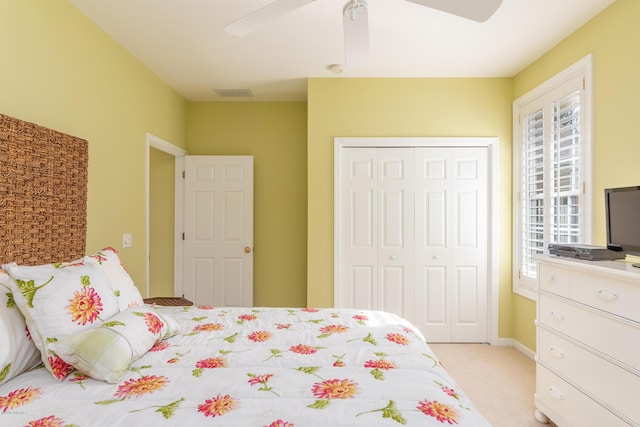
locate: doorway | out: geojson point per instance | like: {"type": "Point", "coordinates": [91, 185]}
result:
{"type": "Point", "coordinates": [162, 191]}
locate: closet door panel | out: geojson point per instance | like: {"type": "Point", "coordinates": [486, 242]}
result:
{"type": "Point", "coordinates": [432, 195]}
{"type": "Point", "coordinates": [468, 251]}
{"type": "Point", "coordinates": [396, 239]}
{"type": "Point", "coordinates": [359, 236]}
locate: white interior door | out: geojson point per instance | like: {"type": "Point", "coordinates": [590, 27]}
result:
{"type": "Point", "coordinates": [451, 244]}
{"type": "Point", "coordinates": [378, 246]}
{"type": "Point", "coordinates": [395, 230]}
{"type": "Point", "coordinates": [218, 236]}
{"type": "Point", "coordinates": [413, 230]}
{"type": "Point", "coordinates": [359, 217]}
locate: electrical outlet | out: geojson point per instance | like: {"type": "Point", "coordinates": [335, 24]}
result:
{"type": "Point", "coordinates": [126, 240]}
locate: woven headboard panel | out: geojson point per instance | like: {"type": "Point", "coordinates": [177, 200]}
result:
{"type": "Point", "coordinates": [43, 194]}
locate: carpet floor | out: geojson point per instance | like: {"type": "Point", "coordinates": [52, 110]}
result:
{"type": "Point", "coordinates": [499, 380]}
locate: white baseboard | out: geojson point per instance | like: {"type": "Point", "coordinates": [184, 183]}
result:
{"type": "Point", "coordinates": [510, 342]}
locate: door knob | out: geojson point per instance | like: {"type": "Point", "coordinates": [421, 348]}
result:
{"type": "Point", "coordinates": [392, 257]}
{"type": "Point", "coordinates": [247, 249]}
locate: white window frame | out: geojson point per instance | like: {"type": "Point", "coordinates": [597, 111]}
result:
{"type": "Point", "coordinates": [543, 96]}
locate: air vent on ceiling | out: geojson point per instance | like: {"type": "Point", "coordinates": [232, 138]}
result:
{"type": "Point", "coordinates": [234, 93]}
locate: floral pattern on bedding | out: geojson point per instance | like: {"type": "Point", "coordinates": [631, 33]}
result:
{"type": "Point", "coordinates": [262, 367]}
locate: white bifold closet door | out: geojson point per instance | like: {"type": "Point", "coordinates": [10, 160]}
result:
{"type": "Point", "coordinates": [413, 237]}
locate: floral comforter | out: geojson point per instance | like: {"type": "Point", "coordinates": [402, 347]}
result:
{"type": "Point", "coordinates": [255, 367]}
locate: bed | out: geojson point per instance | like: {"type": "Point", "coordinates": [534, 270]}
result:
{"type": "Point", "coordinates": [79, 347]}
{"type": "Point", "coordinates": [258, 367]}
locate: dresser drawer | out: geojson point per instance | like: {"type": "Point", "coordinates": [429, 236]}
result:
{"type": "Point", "coordinates": [554, 279]}
{"type": "Point", "coordinates": [619, 339]}
{"type": "Point", "coordinates": [568, 407]}
{"type": "Point", "coordinates": [614, 385]}
{"type": "Point", "coordinates": [614, 296]}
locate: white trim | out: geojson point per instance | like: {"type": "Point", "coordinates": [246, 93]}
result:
{"type": "Point", "coordinates": [524, 350]}
{"type": "Point", "coordinates": [510, 342]}
{"type": "Point", "coordinates": [178, 268]}
{"type": "Point", "coordinates": [524, 286]}
{"type": "Point", "coordinates": [492, 144]}
{"type": "Point", "coordinates": [167, 147]}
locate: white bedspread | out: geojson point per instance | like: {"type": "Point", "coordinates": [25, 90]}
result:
{"type": "Point", "coordinates": [259, 367]}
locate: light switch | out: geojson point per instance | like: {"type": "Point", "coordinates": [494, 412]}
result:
{"type": "Point", "coordinates": [126, 240]}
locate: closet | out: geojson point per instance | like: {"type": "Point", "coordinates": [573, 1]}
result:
{"type": "Point", "coordinates": [412, 236]}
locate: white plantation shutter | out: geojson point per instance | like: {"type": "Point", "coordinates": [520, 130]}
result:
{"type": "Point", "coordinates": [551, 170]}
{"type": "Point", "coordinates": [566, 184]}
{"type": "Point", "coordinates": [532, 191]}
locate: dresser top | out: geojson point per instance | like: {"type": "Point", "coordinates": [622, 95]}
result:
{"type": "Point", "coordinates": [622, 269]}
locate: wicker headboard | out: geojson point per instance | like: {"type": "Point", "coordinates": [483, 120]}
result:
{"type": "Point", "coordinates": [43, 194]}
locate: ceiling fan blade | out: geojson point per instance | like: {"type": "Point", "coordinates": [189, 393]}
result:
{"type": "Point", "coordinates": [476, 10]}
{"type": "Point", "coordinates": [261, 17]}
{"type": "Point", "coordinates": [356, 33]}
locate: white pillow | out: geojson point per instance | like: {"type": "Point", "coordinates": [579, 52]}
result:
{"type": "Point", "coordinates": [126, 291]}
{"type": "Point", "coordinates": [17, 351]}
{"type": "Point", "coordinates": [106, 352]}
{"type": "Point", "coordinates": [58, 300]}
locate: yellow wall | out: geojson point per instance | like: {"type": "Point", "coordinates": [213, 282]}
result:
{"type": "Point", "coordinates": [275, 133]}
{"type": "Point", "coordinates": [400, 107]}
{"type": "Point", "coordinates": [614, 39]}
{"type": "Point", "coordinates": [161, 223]}
{"type": "Point", "coordinates": [59, 70]}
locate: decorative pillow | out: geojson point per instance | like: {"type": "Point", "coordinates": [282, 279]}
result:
{"type": "Point", "coordinates": [106, 352]}
{"type": "Point", "coordinates": [126, 291]}
{"type": "Point", "coordinates": [58, 300]}
{"type": "Point", "coordinates": [17, 351]}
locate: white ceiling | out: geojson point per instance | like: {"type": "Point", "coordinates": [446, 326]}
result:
{"type": "Point", "coordinates": [185, 44]}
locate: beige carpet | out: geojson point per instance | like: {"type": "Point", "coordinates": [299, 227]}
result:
{"type": "Point", "coordinates": [499, 380]}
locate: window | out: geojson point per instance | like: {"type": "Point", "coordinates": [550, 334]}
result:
{"type": "Point", "coordinates": [552, 169]}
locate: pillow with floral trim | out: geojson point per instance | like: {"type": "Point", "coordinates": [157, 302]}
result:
{"type": "Point", "coordinates": [106, 351]}
{"type": "Point", "coordinates": [121, 283]}
{"type": "Point", "coordinates": [17, 351]}
{"type": "Point", "coordinates": [58, 300]}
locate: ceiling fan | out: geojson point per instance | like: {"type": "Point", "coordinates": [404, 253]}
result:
{"type": "Point", "coordinates": [356, 20]}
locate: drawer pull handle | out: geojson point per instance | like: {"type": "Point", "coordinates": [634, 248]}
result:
{"type": "Point", "coordinates": [556, 351]}
{"type": "Point", "coordinates": [557, 315]}
{"type": "Point", "coordinates": [555, 393]}
{"type": "Point", "coordinates": [552, 278]}
{"type": "Point", "coordinates": [607, 294]}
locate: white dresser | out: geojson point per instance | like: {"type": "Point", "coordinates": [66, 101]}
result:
{"type": "Point", "coordinates": [588, 333]}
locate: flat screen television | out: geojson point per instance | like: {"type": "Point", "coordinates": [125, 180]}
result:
{"type": "Point", "coordinates": [622, 208]}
